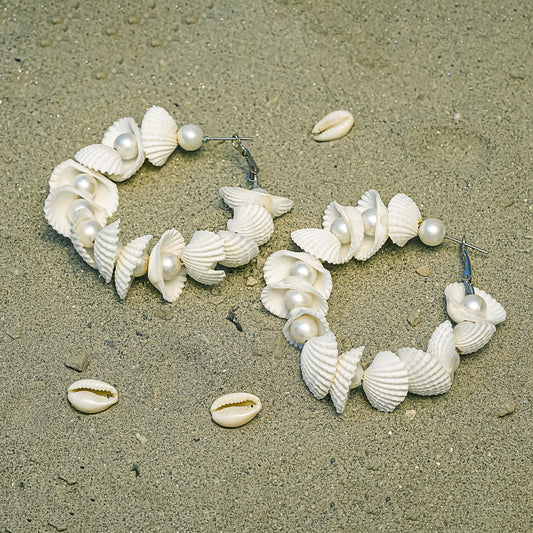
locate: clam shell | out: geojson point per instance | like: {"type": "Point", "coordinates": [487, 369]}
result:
{"type": "Point", "coordinates": [235, 409]}
{"type": "Point", "coordinates": [404, 219]}
{"type": "Point", "coordinates": [106, 250]}
{"type": "Point", "coordinates": [275, 205]}
{"type": "Point", "coordinates": [103, 159]}
{"type": "Point", "coordinates": [252, 221]}
{"type": "Point", "coordinates": [279, 264]}
{"type": "Point", "coordinates": [354, 222]}
{"type": "Point", "coordinates": [469, 337]}
{"type": "Point", "coordinates": [455, 292]}
{"type": "Point", "coordinates": [348, 375]}
{"type": "Point", "coordinates": [315, 316]}
{"type": "Point", "coordinates": [106, 193]}
{"type": "Point", "coordinates": [159, 135]}
{"type": "Point", "coordinates": [319, 243]}
{"type": "Point", "coordinates": [386, 382]}
{"type": "Point", "coordinates": [87, 254]}
{"type": "Point", "coordinates": [427, 376]}
{"type": "Point", "coordinates": [202, 253]}
{"type": "Point", "coordinates": [333, 126]}
{"type": "Point", "coordinates": [318, 363]}
{"type": "Point", "coordinates": [171, 242]}
{"type": "Point", "coordinates": [371, 244]}
{"type": "Point", "coordinates": [238, 249]}
{"type": "Point", "coordinates": [128, 261]}
{"type": "Point", "coordinates": [441, 346]}
{"type": "Point", "coordinates": [91, 395]}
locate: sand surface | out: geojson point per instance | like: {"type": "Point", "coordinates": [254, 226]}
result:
{"type": "Point", "coordinates": [441, 95]}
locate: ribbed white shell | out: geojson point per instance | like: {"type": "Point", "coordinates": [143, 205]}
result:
{"type": "Point", "coordinates": [404, 219]}
{"type": "Point", "coordinates": [386, 382]}
{"type": "Point", "coordinates": [103, 159]}
{"type": "Point", "coordinates": [347, 376]}
{"type": "Point", "coordinates": [106, 250]}
{"type": "Point", "coordinates": [441, 345]}
{"type": "Point", "coordinates": [318, 363]}
{"type": "Point", "coordinates": [427, 376]}
{"type": "Point", "coordinates": [171, 242]}
{"type": "Point", "coordinates": [469, 337]}
{"type": "Point", "coordinates": [91, 396]}
{"type": "Point", "coordinates": [203, 252]}
{"type": "Point", "coordinates": [127, 261]}
{"type": "Point", "coordinates": [371, 244]}
{"type": "Point", "coordinates": [275, 205]}
{"type": "Point", "coordinates": [354, 223]}
{"type": "Point", "coordinates": [455, 294]}
{"type": "Point", "coordinates": [238, 249]}
{"type": "Point", "coordinates": [159, 135]}
{"type": "Point", "coordinates": [319, 319]}
{"type": "Point", "coordinates": [252, 221]}
{"type": "Point", "coordinates": [319, 243]}
{"type": "Point", "coordinates": [87, 254]}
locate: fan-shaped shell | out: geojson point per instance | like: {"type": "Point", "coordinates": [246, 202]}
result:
{"type": "Point", "coordinates": [386, 382]}
{"type": "Point", "coordinates": [252, 221]}
{"type": "Point", "coordinates": [455, 294]}
{"type": "Point", "coordinates": [427, 376]}
{"type": "Point", "coordinates": [469, 337]}
{"type": "Point", "coordinates": [106, 250]}
{"type": "Point", "coordinates": [318, 363]}
{"type": "Point", "coordinates": [441, 346]}
{"type": "Point", "coordinates": [333, 126]}
{"type": "Point", "coordinates": [404, 219]}
{"type": "Point", "coordinates": [103, 159]}
{"type": "Point", "coordinates": [238, 249]}
{"type": "Point", "coordinates": [79, 217]}
{"type": "Point", "coordinates": [319, 243]}
{"type": "Point", "coordinates": [304, 313]}
{"type": "Point", "coordinates": [128, 260]}
{"type": "Point", "coordinates": [202, 253]}
{"type": "Point", "coordinates": [91, 396]}
{"type": "Point", "coordinates": [275, 205]}
{"type": "Point", "coordinates": [348, 375]}
{"type": "Point", "coordinates": [372, 243]}
{"type": "Point", "coordinates": [235, 409]}
{"type": "Point", "coordinates": [172, 243]}
{"type": "Point", "coordinates": [159, 135]}
{"type": "Point", "coordinates": [280, 266]}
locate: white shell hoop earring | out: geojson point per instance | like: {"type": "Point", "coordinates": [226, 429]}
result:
{"type": "Point", "coordinates": [298, 287]}
{"type": "Point", "coordinates": [83, 196]}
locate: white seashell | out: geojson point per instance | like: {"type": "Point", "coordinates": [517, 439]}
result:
{"type": "Point", "coordinates": [103, 159]}
{"type": "Point", "coordinates": [132, 261]}
{"type": "Point", "coordinates": [238, 249]}
{"type": "Point", "coordinates": [86, 252]}
{"type": "Point", "coordinates": [105, 193]}
{"type": "Point", "coordinates": [333, 126]}
{"type": "Point", "coordinates": [275, 205]}
{"type": "Point", "coordinates": [170, 244]}
{"type": "Point", "coordinates": [202, 253]}
{"type": "Point", "coordinates": [285, 265]}
{"type": "Point", "coordinates": [122, 126]}
{"type": "Point", "coordinates": [235, 409]}
{"type": "Point", "coordinates": [318, 363]}
{"type": "Point", "coordinates": [455, 294]}
{"type": "Point", "coordinates": [159, 135]}
{"type": "Point", "coordinates": [91, 395]}
{"type": "Point", "coordinates": [303, 324]}
{"type": "Point", "coordinates": [469, 337]}
{"type": "Point", "coordinates": [441, 346]}
{"type": "Point", "coordinates": [319, 243]}
{"type": "Point", "coordinates": [427, 376]}
{"type": "Point", "coordinates": [347, 376]}
{"type": "Point", "coordinates": [404, 219]}
{"type": "Point", "coordinates": [106, 250]}
{"type": "Point", "coordinates": [252, 221]}
{"type": "Point", "coordinates": [279, 298]}
{"type": "Point", "coordinates": [371, 202]}
{"type": "Point", "coordinates": [386, 382]}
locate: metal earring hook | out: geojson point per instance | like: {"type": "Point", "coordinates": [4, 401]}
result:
{"type": "Point", "coordinates": [466, 278]}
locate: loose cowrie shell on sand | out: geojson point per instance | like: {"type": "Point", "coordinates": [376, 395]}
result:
{"type": "Point", "coordinates": [91, 395]}
{"type": "Point", "coordinates": [235, 409]}
{"type": "Point", "coordinates": [333, 126]}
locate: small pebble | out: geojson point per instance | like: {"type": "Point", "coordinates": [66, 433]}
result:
{"type": "Point", "coordinates": [423, 271]}
{"type": "Point", "coordinates": [100, 76]}
{"type": "Point", "coordinates": [251, 281]}
{"type": "Point", "coordinates": [505, 409]}
{"type": "Point", "coordinates": [191, 20]}
{"type": "Point", "coordinates": [77, 361]}
{"type": "Point", "coordinates": [141, 439]}
{"type": "Point", "coordinates": [410, 414]}
{"type": "Point", "coordinates": [46, 43]}
{"type": "Point", "coordinates": [134, 20]}
{"type": "Point", "coordinates": [57, 20]}
{"type": "Point", "coordinates": [415, 319]}
{"type": "Point", "coordinates": [156, 44]}
{"type": "Point", "coordinates": [111, 31]}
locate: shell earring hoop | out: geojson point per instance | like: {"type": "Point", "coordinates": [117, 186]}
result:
{"type": "Point", "coordinates": [83, 195]}
{"type": "Point", "coordinates": [298, 287]}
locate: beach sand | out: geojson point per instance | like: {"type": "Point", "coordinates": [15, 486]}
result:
{"type": "Point", "coordinates": [441, 95]}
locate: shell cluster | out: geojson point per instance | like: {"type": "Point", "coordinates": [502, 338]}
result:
{"type": "Point", "coordinates": [83, 195]}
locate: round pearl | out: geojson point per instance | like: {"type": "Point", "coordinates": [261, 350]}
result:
{"type": "Point", "coordinates": [340, 230]}
{"type": "Point", "coordinates": [85, 184]}
{"type": "Point", "coordinates": [142, 266]}
{"type": "Point", "coordinates": [295, 298]}
{"type": "Point", "coordinates": [303, 271]}
{"type": "Point", "coordinates": [190, 137]}
{"type": "Point", "coordinates": [303, 328]}
{"type": "Point", "coordinates": [126, 146]}
{"type": "Point", "coordinates": [87, 230]}
{"type": "Point", "coordinates": [432, 231]}
{"type": "Point", "coordinates": [370, 221]}
{"type": "Point", "coordinates": [80, 204]}
{"type": "Point", "coordinates": [171, 266]}
{"type": "Point", "coordinates": [475, 304]}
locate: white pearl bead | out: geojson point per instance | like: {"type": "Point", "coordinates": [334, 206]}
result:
{"type": "Point", "coordinates": [475, 304]}
{"type": "Point", "coordinates": [80, 204]}
{"type": "Point", "coordinates": [142, 266]}
{"type": "Point", "coordinates": [340, 230]}
{"type": "Point", "coordinates": [171, 266]}
{"type": "Point", "coordinates": [85, 184]}
{"type": "Point", "coordinates": [370, 221]}
{"type": "Point", "coordinates": [190, 137]}
{"type": "Point", "coordinates": [432, 231]}
{"type": "Point", "coordinates": [303, 271]}
{"type": "Point", "coordinates": [295, 298]}
{"type": "Point", "coordinates": [87, 230]}
{"type": "Point", "coordinates": [303, 328]}
{"type": "Point", "coordinates": [126, 146]}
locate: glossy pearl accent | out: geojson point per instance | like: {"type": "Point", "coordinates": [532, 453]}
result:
{"type": "Point", "coordinates": [303, 271]}
{"type": "Point", "coordinates": [142, 266]}
{"type": "Point", "coordinates": [370, 220]}
{"type": "Point", "coordinates": [340, 230]}
{"type": "Point", "coordinates": [86, 184]}
{"type": "Point", "coordinates": [295, 298]}
{"type": "Point", "coordinates": [432, 231]}
{"type": "Point", "coordinates": [80, 205]}
{"type": "Point", "coordinates": [126, 146]}
{"type": "Point", "coordinates": [303, 328]}
{"type": "Point", "coordinates": [171, 266]}
{"type": "Point", "coordinates": [190, 137]}
{"type": "Point", "coordinates": [87, 231]}
{"type": "Point", "coordinates": [475, 304]}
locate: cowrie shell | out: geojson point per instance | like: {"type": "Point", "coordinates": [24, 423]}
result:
{"type": "Point", "coordinates": [333, 126]}
{"type": "Point", "coordinates": [235, 409]}
{"type": "Point", "coordinates": [91, 395]}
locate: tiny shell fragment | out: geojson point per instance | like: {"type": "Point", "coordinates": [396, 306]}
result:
{"type": "Point", "coordinates": [92, 396]}
{"type": "Point", "coordinates": [333, 126]}
{"type": "Point", "coordinates": [235, 409]}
